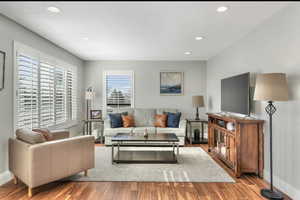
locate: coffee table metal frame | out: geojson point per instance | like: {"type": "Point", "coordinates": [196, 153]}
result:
{"type": "Point", "coordinates": [140, 141]}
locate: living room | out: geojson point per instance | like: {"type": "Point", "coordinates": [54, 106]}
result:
{"type": "Point", "coordinates": [149, 100]}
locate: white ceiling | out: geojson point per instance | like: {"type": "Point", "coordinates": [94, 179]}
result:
{"type": "Point", "coordinates": [141, 30]}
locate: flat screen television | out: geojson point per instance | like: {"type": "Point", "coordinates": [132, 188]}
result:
{"type": "Point", "coordinates": [235, 94]}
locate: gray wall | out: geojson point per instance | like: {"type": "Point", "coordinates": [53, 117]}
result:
{"type": "Point", "coordinates": [12, 31]}
{"type": "Point", "coordinates": [147, 82]}
{"type": "Point", "coordinates": [273, 47]}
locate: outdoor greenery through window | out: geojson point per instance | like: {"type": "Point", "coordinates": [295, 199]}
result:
{"type": "Point", "coordinates": [119, 89]}
{"type": "Point", "coordinates": [46, 93]}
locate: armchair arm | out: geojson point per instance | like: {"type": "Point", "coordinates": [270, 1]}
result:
{"type": "Point", "coordinates": [57, 159]}
{"type": "Point", "coordinates": [18, 158]}
{"type": "Point", "coordinates": [182, 124]}
{"type": "Point", "coordinates": [60, 134]}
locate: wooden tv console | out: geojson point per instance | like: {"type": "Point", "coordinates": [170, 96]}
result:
{"type": "Point", "coordinates": [241, 146]}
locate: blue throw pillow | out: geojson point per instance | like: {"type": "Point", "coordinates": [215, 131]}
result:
{"type": "Point", "coordinates": [116, 119]}
{"type": "Point", "coordinates": [173, 120]}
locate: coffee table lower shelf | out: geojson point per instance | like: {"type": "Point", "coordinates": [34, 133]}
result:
{"type": "Point", "coordinates": [145, 157]}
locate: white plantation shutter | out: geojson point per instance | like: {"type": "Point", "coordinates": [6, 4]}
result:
{"type": "Point", "coordinates": [46, 92]}
{"type": "Point", "coordinates": [47, 95]}
{"type": "Point", "coordinates": [27, 93]}
{"type": "Point", "coordinates": [72, 94]}
{"type": "Point", "coordinates": [60, 96]}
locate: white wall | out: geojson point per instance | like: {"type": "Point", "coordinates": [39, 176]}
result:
{"type": "Point", "coordinates": [12, 31]}
{"type": "Point", "coordinates": [147, 82]}
{"type": "Point", "coordinates": [273, 47]}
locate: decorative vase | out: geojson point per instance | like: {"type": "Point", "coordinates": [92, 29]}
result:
{"type": "Point", "coordinates": [145, 133]}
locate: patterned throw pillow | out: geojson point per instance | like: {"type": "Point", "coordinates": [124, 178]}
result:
{"type": "Point", "coordinates": [173, 120]}
{"type": "Point", "coordinates": [45, 132]}
{"type": "Point", "coordinates": [29, 136]}
{"type": "Point", "coordinates": [161, 121]}
{"type": "Point", "coordinates": [116, 119]}
{"type": "Point", "coordinates": [128, 121]}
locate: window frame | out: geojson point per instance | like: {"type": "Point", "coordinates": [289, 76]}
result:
{"type": "Point", "coordinates": [19, 47]}
{"type": "Point", "coordinates": [117, 72]}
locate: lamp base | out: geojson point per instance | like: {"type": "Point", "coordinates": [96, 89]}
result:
{"type": "Point", "coordinates": [269, 194]}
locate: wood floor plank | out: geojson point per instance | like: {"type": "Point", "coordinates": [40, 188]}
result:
{"type": "Point", "coordinates": [246, 188]}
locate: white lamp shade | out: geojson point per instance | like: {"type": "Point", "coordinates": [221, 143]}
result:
{"type": "Point", "coordinates": [198, 101]}
{"type": "Point", "coordinates": [89, 95]}
{"type": "Point", "coordinates": [271, 87]}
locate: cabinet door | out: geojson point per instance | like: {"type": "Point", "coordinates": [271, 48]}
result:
{"type": "Point", "coordinates": [231, 156]}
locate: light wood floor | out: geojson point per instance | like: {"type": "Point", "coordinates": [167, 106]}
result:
{"type": "Point", "coordinates": [247, 187]}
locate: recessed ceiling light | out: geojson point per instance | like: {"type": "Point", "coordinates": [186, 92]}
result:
{"type": "Point", "coordinates": [188, 53]}
{"type": "Point", "coordinates": [85, 38]}
{"type": "Point", "coordinates": [199, 38]}
{"type": "Point", "coordinates": [53, 9]}
{"type": "Point", "coordinates": [222, 9]}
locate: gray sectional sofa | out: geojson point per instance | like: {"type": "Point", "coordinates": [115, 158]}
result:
{"type": "Point", "coordinates": [144, 119]}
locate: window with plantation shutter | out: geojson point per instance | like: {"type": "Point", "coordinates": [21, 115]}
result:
{"type": "Point", "coordinates": [118, 89]}
{"type": "Point", "coordinates": [46, 91]}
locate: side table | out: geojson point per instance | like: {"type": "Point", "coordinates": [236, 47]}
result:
{"type": "Point", "coordinates": [202, 122]}
{"type": "Point", "coordinates": [87, 128]}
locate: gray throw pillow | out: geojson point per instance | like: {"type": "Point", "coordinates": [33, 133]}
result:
{"type": "Point", "coordinates": [30, 136]}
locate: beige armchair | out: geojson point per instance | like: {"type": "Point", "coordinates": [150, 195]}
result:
{"type": "Point", "coordinates": [38, 164]}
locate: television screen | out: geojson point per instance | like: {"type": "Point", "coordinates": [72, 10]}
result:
{"type": "Point", "coordinates": [235, 93]}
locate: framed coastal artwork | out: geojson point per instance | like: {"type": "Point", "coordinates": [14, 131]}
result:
{"type": "Point", "coordinates": [2, 69]}
{"type": "Point", "coordinates": [171, 83]}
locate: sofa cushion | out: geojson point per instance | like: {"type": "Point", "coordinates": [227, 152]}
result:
{"type": "Point", "coordinates": [173, 120]}
{"type": "Point", "coordinates": [161, 121]}
{"type": "Point", "coordinates": [144, 117]}
{"type": "Point", "coordinates": [128, 121]}
{"type": "Point", "coordinates": [180, 132]}
{"type": "Point", "coordinates": [29, 136]}
{"type": "Point", "coordinates": [45, 132]}
{"type": "Point", "coordinates": [115, 131]}
{"type": "Point", "coordinates": [140, 130]}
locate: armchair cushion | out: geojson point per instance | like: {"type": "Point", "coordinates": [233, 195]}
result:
{"type": "Point", "coordinates": [30, 136]}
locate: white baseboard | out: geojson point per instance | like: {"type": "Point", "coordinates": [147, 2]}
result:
{"type": "Point", "coordinates": [5, 177]}
{"type": "Point", "coordinates": [283, 186]}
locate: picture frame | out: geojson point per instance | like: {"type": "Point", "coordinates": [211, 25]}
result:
{"type": "Point", "coordinates": [95, 114]}
{"type": "Point", "coordinates": [2, 69]}
{"type": "Point", "coordinates": [171, 83]}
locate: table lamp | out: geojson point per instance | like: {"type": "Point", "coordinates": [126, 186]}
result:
{"type": "Point", "coordinates": [198, 101]}
{"type": "Point", "coordinates": [271, 87]}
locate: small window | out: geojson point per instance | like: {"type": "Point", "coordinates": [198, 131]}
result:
{"type": "Point", "coordinates": [118, 90]}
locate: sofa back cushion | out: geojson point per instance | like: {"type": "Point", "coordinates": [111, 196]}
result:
{"type": "Point", "coordinates": [128, 121]}
{"type": "Point", "coordinates": [144, 117]}
{"type": "Point", "coordinates": [29, 136]}
{"type": "Point", "coordinates": [173, 119]}
{"type": "Point", "coordinates": [161, 111]}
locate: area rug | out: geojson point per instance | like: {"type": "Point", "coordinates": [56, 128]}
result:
{"type": "Point", "coordinates": [194, 165]}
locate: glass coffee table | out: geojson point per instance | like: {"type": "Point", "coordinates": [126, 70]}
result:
{"type": "Point", "coordinates": [161, 148]}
